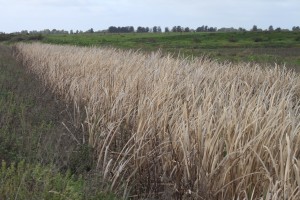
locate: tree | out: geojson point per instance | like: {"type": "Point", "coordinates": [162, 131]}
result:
{"type": "Point", "coordinates": [296, 28]}
{"type": "Point", "coordinates": [254, 28]}
{"type": "Point", "coordinates": [158, 29]}
{"type": "Point", "coordinates": [154, 29]}
{"type": "Point", "coordinates": [125, 29]}
{"type": "Point", "coordinates": [47, 31]}
{"type": "Point", "coordinates": [179, 29]}
{"type": "Point", "coordinates": [54, 31]}
{"type": "Point", "coordinates": [174, 29]}
{"type": "Point", "coordinates": [212, 29]}
{"type": "Point", "coordinates": [131, 29]}
{"type": "Point", "coordinates": [24, 32]}
{"type": "Point", "coordinates": [187, 29]}
{"type": "Point", "coordinates": [167, 30]}
{"type": "Point", "coordinates": [139, 29]}
{"type": "Point", "coordinates": [241, 29]}
{"type": "Point", "coordinates": [90, 30]}
{"type": "Point", "coordinates": [271, 28]}
{"type": "Point", "coordinates": [142, 29]}
{"type": "Point", "coordinates": [112, 29]}
{"type": "Point", "coordinates": [200, 29]}
{"type": "Point", "coordinates": [278, 29]}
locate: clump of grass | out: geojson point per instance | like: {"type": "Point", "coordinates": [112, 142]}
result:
{"type": "Point", "coordinates": [27, 181]}
{"type": "Point", "coordinates": [33, 181]}
{"type": "Point", "coordinates": [175, 128]}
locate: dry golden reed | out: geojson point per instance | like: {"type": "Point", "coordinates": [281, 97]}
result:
{"type": "Point", "coordinates": [172, 128]}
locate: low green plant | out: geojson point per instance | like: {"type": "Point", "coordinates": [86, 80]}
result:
{"type": "Point", "coordinates": [27, 181]}
{"type": "Point", "coordinates": [81, 159]}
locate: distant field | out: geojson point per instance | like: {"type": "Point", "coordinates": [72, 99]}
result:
{"type": "Point", "coordinates": [260, 47]}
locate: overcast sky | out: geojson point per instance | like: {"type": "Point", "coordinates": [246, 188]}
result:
{"type": "Point", "coordinates": [17, 15]}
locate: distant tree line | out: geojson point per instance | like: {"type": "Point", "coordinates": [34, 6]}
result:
{"type": "Point", "coordinates": [156, 29]}
{"type": "Point", "coordinates": [180, 29]}
{"type": "Point", "coordinates": [126, 29]}
{"type": "Point", "coordinates": [296, 28]}
{"type": "Point", "coordinates": [143, 29]}
{"type": "Point", "coordinates": [130, 29]}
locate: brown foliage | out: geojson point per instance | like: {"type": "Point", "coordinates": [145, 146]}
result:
{"type": "Point", "coordinates": [174, 128]}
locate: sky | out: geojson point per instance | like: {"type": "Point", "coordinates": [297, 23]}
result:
{"type": "Point", "coordinates": [18, 15]}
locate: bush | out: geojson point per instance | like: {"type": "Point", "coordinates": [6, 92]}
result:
{"type": "Point", "coordinates": [35, 37]}
{"type": "Point", "coordinates": [5, 37]}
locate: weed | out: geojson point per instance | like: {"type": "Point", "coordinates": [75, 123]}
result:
{"type": "Point", "coordinates": [26, 181]}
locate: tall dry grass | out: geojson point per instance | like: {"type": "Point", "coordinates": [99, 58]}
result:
{"type": "Point", "coordinates": [180, 129]}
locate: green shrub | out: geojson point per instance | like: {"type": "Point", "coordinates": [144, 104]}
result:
{"type": "Point", "coordinates": [35, 37]}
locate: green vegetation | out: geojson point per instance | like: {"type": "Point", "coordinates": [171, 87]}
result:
{"type": "Point", "coordinates": [9, 38]}
{"type": "Point", "coordinates": [38, 158]}
{"type": "Point", "coordinates": [27, 181]}
{"type": "Point", "coordinates": [41, 159]}
{"type": "Point", "coordinates": [260, 47]}
{"type": "Point", "coordinates": [182, 40]}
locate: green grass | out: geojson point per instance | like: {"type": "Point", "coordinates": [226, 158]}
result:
{"type": "Point", "coordinates": [182, 40]}
{"type": "Point", "coordinates": [261, 47]}
{"type": "Point", "coordinates": [39, 160]}
{"type": "Point", "coordinates": [27, 181]}
{"type": "Point", "coordinates": [24, 181]}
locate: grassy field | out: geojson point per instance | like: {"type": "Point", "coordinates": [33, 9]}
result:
{"type": "Point", "coordinates": [260, 47]}
{"type": "Point", "coordinates": [39, 158]}
{"type": "Point", "coordinates": [172, 128]}
{"type": "Point", "coordinates": [131, 122]}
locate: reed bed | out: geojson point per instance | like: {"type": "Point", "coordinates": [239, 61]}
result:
{"type": "Point", "coordinates": [172, 128]}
